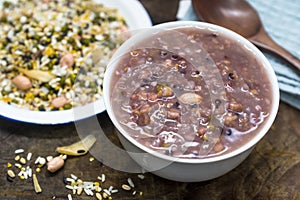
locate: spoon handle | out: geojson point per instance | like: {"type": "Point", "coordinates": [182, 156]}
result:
{"type": "Point", "coordinates": [263, 40]}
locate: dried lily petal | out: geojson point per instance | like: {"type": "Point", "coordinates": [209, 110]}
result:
{"type": "Point", "coordinates": [78, 148]}
{"type": "Point", "coordinates": [97, 8]}
{"type": "Point", "coordinates": [95, 55]}
{"type": "Point", "coordinates": [36, 184]}
{"type": "Point", "coordinates": [190, 98]}
{"type": "Point", "coordinates": [37, 74]}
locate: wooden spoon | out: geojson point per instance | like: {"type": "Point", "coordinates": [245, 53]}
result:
{"type": "Point", "coordinates": [241, 17]}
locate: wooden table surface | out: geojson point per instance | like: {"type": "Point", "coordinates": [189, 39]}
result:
{"type": "Point", "coordinates": [272, 171]}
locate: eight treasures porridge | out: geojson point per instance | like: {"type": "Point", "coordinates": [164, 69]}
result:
{"type": "Point", "coordinates": [190, 93]}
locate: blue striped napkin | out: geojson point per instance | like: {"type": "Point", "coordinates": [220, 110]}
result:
{"type": "Point", "coordinates": [282, 21]}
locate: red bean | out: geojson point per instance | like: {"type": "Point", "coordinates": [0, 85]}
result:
{"type": "Point", "coordinates": [230, 119]}
{"type": "Point", "coordinates": [201, 131]}
{"type": "Point", "coordinates": [145, 108]}
{"type": "Point", "coordinates": [143, 119]}
{"type": "Point", "coordinates": [67, 60]}
{"type": "Point", "coordinates": [173, 114]}
{"type": "Point", "coordinates": [237, 107]}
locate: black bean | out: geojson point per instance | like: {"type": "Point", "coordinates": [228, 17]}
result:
{"type": "Point", "coordinates": [9, 179]}
{"type": "Point", "coordinates": [163, 54]}
{"type": "Point", "coordinates": [231, 76]}
{"type": "Point", "coordinates": [194, 105]}
{"type": "Point", "coordinates": [177, 105]}
{"type": "Point", "coordinates": [154, 77]}
{"type": "Point", "coordinates": [146, 80]}
{"type": "Point", "coordinates": [145, 86]}
{"type": "Point", "coordinates": [228, 131]}
{"type": "Point", "coordinates": [218, 103]}
{"type": "Point", "coordinates": [164, 98]}
{"type": "Point", "coordinates": [182, 64]}
{"type": "Point", "coordinates": [195, 74]}
{"type": "Point", "coordinates": [214, 35]}
{"type": "Point", "coordinates": [174, 57]}
{"type": "Point", "coordinates": [65, 180]}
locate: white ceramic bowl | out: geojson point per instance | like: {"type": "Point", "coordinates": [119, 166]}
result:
{"type": "Point", "coordinates": [181, 169]}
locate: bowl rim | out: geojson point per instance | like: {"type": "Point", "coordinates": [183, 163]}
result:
{"type": "Point", "coordinates": [180, 24]}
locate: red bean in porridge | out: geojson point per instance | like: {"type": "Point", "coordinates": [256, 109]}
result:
{"type": "Point", "coordinates": [190, 93]}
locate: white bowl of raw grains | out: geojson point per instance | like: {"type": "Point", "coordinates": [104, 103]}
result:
{"type": "Point", "coordinates": [53, 55]}
{"type": "Point", "coordinates": [190, 100]}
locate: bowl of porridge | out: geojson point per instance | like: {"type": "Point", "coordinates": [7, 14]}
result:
{"type": "Point", "coordinates": [190, 100]}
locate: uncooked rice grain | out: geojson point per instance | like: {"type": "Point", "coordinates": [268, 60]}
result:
{"type": "Point", "coordinates": [130, 182]}
{"type": "Point", "coordinates": [29, 155]}
{"type": "Point", "coordinates": [18, 151]}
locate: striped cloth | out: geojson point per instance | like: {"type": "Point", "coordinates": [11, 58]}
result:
{"type": "Point", "coordinates": [282, 21]}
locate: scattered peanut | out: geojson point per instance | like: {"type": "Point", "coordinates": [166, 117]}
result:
{"type": "Point", "coordinates": [55, 164]}
{"type": "Point", "coordinates": [67, 60]}
{"type": "Point", "coordinates": [59, 102]}
{"type": "Point", "coordinates": [22, 82]}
